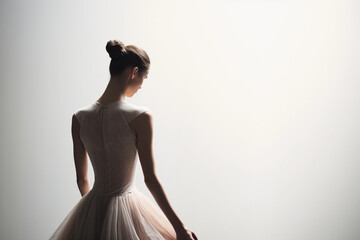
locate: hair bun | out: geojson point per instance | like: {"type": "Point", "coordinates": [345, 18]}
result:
{"type": "Point", "coordinates": [115, 48]}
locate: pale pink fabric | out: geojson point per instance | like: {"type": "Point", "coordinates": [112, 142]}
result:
{"type": "Point", "coordinates": [114, 209]}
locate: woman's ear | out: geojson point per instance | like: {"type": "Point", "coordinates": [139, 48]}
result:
{"type": "Point", "coordinates": [134, 71]}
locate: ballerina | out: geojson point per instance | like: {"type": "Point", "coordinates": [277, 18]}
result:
{"type": "Point", "coordinates": [112, 131]}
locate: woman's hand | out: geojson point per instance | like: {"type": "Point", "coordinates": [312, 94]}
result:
{"type": "Point", "coordinates": [185, 234]}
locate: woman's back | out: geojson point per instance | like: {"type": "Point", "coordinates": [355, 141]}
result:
{"type": "Point", "coordinates": [110, 144]}
{"type": "Point", "coordinates": [113, 208]}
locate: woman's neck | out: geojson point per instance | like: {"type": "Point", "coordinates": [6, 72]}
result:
{"type": "Point", "coordinates": [114, 91]}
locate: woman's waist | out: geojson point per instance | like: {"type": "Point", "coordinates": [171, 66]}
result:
{"type": "Point", "coordinates": [107, 190]}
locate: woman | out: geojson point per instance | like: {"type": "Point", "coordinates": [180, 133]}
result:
{"type": "Point", "coordinates": [112, 131]}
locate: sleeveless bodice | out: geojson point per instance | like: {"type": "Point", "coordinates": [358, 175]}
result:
{"type": "Point", "coordinates": [110, 144]}
{"type": "Point", "coordinates": [114, 208]}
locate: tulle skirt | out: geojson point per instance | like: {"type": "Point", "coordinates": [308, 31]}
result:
{"type": "Point", "coordinates": [127, 216]}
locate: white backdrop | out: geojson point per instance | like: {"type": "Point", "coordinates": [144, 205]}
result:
{"type": "Point", "coordinates": [256, 111]}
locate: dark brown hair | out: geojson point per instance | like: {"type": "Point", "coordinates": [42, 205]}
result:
{"type": "Point", "coordinates": [124, 56]}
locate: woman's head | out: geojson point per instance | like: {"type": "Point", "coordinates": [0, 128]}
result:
{"type": "Point", "coordinates": [126, 56]}
{"type": "Point", "coordinates": [131, 58]}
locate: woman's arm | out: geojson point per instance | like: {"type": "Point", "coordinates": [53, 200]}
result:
{"type": "Point", "coordinates": [80, 158]}
{"type": "Point", "coordinates": [144, 132]}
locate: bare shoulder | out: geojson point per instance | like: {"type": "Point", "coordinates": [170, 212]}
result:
{"type": "Point", "coordinates": [145, 116]}
{"type": "Point", "coordinates": [142, 124]}
{"type": "Point", "coordinates": [143, 121]}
